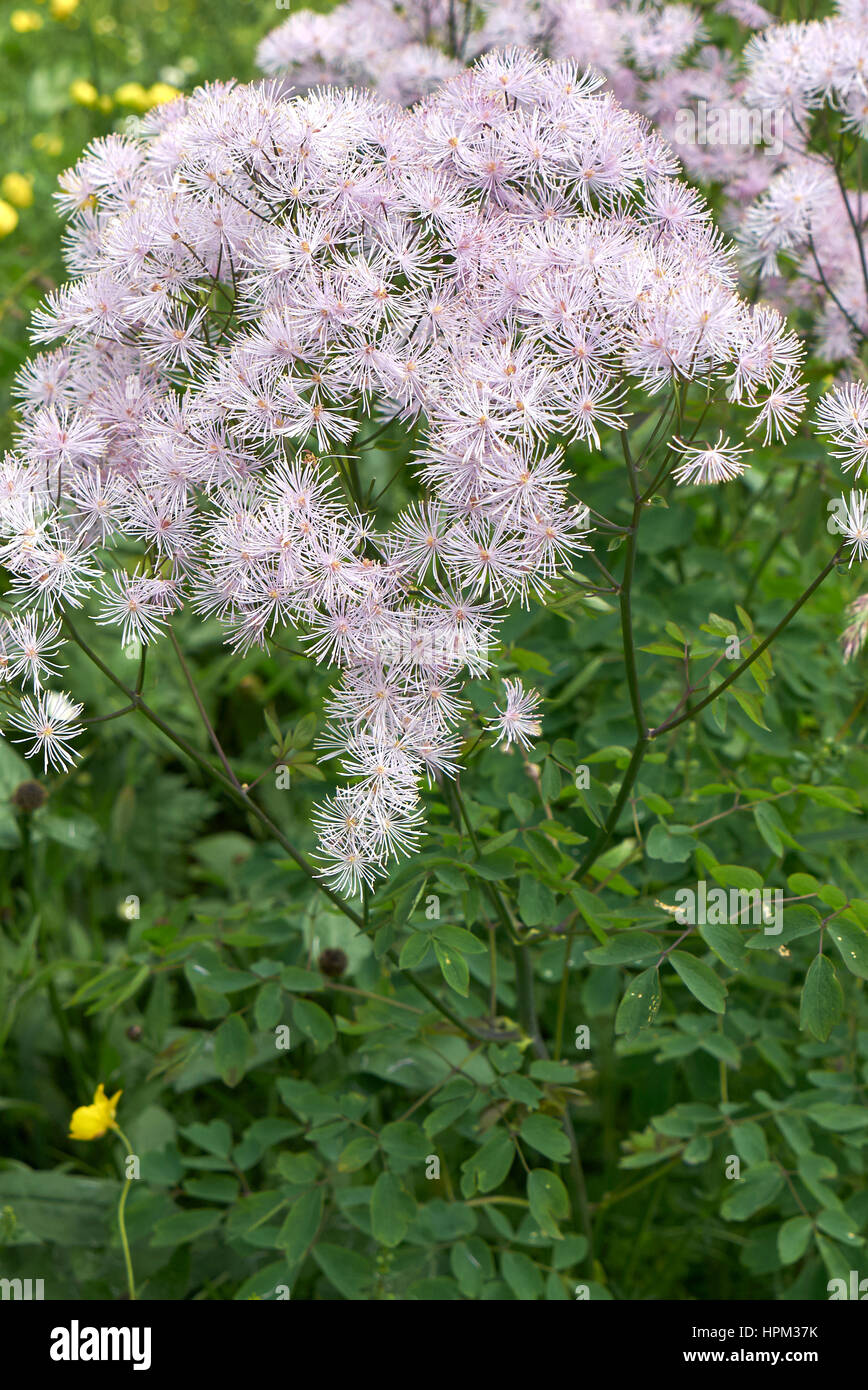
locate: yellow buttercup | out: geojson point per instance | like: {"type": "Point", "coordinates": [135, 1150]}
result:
{"type": "Point", "coordinates": [92, 1121]}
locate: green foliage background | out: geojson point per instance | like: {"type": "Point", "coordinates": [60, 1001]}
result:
{"type": "Point", "coordinates": [154, 938]}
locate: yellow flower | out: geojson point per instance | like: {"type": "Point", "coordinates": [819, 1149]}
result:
{"type": "Point", "coordinates": [92, 1121]}
{"type": "Point", "coordinates": [44, 140]}
{"type": "Point", "coordinates": [25, 21]}
{"type": "Point", "coordinates": [8, 218]}
{"type": "Point", "coordinates": [17, 189]}
{"type": "Point", "coordinates": [84, 93]}
{"type": "Point", "coordinates": [160, 92]}
{"type": "Point", "coordinates": [132, 94]}
{"type": "Point", "coordinates": [62, 9]}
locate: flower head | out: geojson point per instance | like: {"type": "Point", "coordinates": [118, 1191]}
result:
{"type": "Point", "coordinates": [92, 1121]}
{"type": "Point", "coordinates": [517, 723]}
{"type": "Point", "coordinates": [8, 218]}
{"type": "Point", "coordinates": [854, 635]}
{"type": "Point", "coordinates": [709, 463]}
{"type": "Point", "coordinates": [50, 725]}
{"type": "Point", "coordinates": [853, 524]}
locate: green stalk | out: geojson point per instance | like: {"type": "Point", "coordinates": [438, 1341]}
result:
{"type": "Point", "coordinates": [122, 1226]}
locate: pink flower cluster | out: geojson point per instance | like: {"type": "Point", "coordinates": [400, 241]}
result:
{"type": "Point", "coordinates": [808, 224]}
{"type": "Point", "coordinates": [743, 121]}
{"type": "Point", "coordinates": [842, 415]}
{"type": "Point", "coordinates": [403, 52]}
{"type": "Point", "coordinates": [258, 278]}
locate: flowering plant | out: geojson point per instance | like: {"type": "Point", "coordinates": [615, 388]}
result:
{"type": "Point", "coordinates": [350, 401]}
{"type": "Point", "coordinates": [510, 265]}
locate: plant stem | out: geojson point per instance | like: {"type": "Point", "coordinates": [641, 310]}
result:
{"type": "Point", "coordinates": [122, 1226]}
{"type": "Point", "coordinates": [627, 625]}
{"type": "Point", "coordinates": [604, 835]}
{"type": "Point", "coordinates": [757, 652]}
{"type": "Point", "coordinates": [490, 1035]}
{"type": "Point", "coordinates": [203, 714]}
{"type": "Point", "coordinates": [236, 792]}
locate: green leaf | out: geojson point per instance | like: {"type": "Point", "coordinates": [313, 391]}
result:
{"type": "Point", "coordinates": [627, 948]}
{"type": "Point", "coordinates": [521, 808]}
{"type": "Point", "coordinates": [569, 1252]}
{"type": "Point", "coordinates": [548, 855]}
{"type": "Point", "coordinates": [299, 1169]}
{"type": "Point", "coordinates": [801, 884]}
{"type": "Point", "coordinates": [471, 1263]}
{"type": "Point", "coordinates": [698, 1150]}
{"type": "Point", "coordinates": [638, 1008]}
{"type": "Point", "coordinates": [521, 1274]}
{"type": "Point", "coordinates": [550, 781]}
{"type": "Point", "coordinates": [314, 1022]}
{"type": "Point", "coordinates": [231, 1049]}
{"type": "Point", "coordinates": [852, 943]}
{"type": "Point", "coordinates": [736, 876]}
{"type": "Point", "coordinates": [726, 943]}
{"type": "Point", "coordinates": [268, 1008]}
{"type": "Point", "coordinates": [537, 904]}
{"type": "Point", "coordinates": [723, 1048]}
{"type": "Point", "coordinates": [391, 1210]}
{"type": "Point", "coordinates": [544, 1133]}
{"type": "Point", "coordinates": [351, 1274]}
{"type": "Point", "coordinates": [752, 705]}
{"type": "Point", "coordinates": [840, 1119]}
{"type": "Point", "coordinates": [454, 968]}
{"type": "Point", "coordinates": [59, 1207]}
{"type": "Point", "coordinates": [758, 1187]}
{"type": "Point", "coordinates": [492, 1161]}
{"type": "Point", "coordinates": [768, 823]}
{"type": "Point", "coordinates": [442, 1116]}
{"type": "Point", "coordinates": [750, 1142]}
{"type": "Point", "coordinates": [304, 731]}
{"type": "Point", "coordinates": [721, 627]}
{"type": "Point", "coordinates": [414, 951]}
{"type": "Point", "coordinates": [521, 1089]}
{"type": "Point", "coordinates": [813, 1170]}
{"type": "Point", "coordinates": [273, 727]}
{"type": "Point", "coordinates": [822, 999]}
{"type": "Point", "coordinates": [548, 1201]}
{"type": "Point", "coordinates": [663, 649]}
{"type": "Point", "coordinates": [560, 1073]}
{"type": "Point", "coordinates": [298, 981]}
{"type": "Point", "coordinates": [840, 1226]}
{"type": "Point", "coordinates": [673, 844]}
{"type": "Point", "coordinates": [186, 1225]}
{"type": "Point", "coordinates": [701, 980]}
{"type": "Point", "coordinates": [459, 939]}
{"type": "Point", "coordinates": [837, 797]}
{"type": "Point", "coordinates": [301, 1225]}
{"type": "Point", "coordinates": [404, 1140]}
{"type": "Point", "coordinates": [357, 1153]}
{"type": "Point", "coordinates": [794, 1238]}
{"type": "Point", "coordinates": [214, 1138]}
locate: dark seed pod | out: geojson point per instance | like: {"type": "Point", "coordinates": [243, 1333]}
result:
{"type": "Point", "coordinates": [29, 796]}
{"type": "Point", "coordinates": [134, 1032]}
{"type": "Point", "coordinates": [333, 962]}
